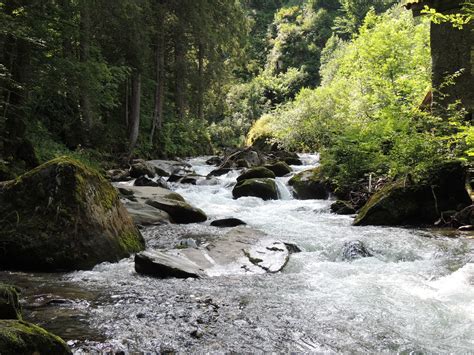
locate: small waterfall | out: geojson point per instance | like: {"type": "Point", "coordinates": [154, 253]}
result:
{"type": "Point", "coordinates": [283, 192]}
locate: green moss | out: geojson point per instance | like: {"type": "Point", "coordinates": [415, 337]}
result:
{"type": "Point", "coordinates": [131, 243]}
{"type": "Point", "coordinates": [259, 172]}
{"type": "Point", "coordinates": [18, 337]}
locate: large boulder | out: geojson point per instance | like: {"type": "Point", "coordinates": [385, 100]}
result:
{"type": "Point", "coordinates": [18, 337]}
{"type": "Point", "coordinates": [173, 204]}
{"type": "Point", "coordinates": [9, 305]}
{"type": "Point", "coordinates": [279, 168]}
{"type": "Point", "coordinates": [405, 203]}
{"type": "Point", "coordinates": [309, 184]}
{"type": "Point", "coordinates": [256, 173]}
{"type": "Point", "coordinates": [63, 216]}
{"type": "Point", "coordinates": [265, 189]}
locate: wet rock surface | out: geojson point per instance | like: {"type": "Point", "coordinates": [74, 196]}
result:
{"type": "Point", "coordinates": [240, 251]}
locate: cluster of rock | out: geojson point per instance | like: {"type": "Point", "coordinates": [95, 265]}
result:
{"type": "Point", "coordinates": [20, 337]}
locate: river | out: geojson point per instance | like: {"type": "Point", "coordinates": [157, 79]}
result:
{"type": "Point", "coordinates": [414, 295]}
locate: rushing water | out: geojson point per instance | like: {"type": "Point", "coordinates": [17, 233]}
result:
{"type": "Point", "coordinates": [416, 294]}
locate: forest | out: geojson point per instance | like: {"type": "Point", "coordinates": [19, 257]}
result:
{"type": "Point", "coordinates": [236, 176]}
{"type": "Point", "coordinates": [107, 82]}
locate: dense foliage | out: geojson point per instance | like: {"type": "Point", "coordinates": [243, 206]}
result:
{"type": "Point", "coordinates": [366, 117]}
{"type": "Point", "coordinates": [122, 77]}
{"type": "Point", "coordinates": [106, 80]}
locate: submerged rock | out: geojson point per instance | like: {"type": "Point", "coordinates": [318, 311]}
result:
{"type": "Point", "coordinates": [309, 185]}
{"type": "Point", "coordinates": [265, 189]}
{"type": "Point", "coordinates": [403, 203]}
{"type": "Point", "coordinates": [9, 306]}
{"type": "Point", "coordinates": [279, 168]}
{"type": "Point", "coordinates": [63, 216]}
{"type": "Point", "coordinates": [18, 337]}
{"type": "Point", "coordinates": [256, 173]}
{"type": "Point", "coordinates": [227, 222]}
{"type": "Point", "coordinates": [354, 250]}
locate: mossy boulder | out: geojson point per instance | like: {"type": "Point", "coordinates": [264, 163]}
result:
{"type": "Point", "coordinates": [259, 172]}
{"type": "Point", "coordinates": [309, 184]}
{"type": "Point", "coordinates": [342, 207]}
{"type": "Point", "coordinates": [63, 215]}
{"type": "Point", "coordinates": [422, 203]}
{"type": "Point", "coordinates": [18, 337]}
{"type": "Point", "coordinates": [279, 168]}
{"type": "Point", "coordinates": [265, 189]}
{"type": "Point", "coordinates": [9, 305]}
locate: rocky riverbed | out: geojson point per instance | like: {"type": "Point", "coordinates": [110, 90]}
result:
{"type": "Point", "coordinates": [350, 289]}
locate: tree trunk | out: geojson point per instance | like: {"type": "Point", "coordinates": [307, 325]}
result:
{"type": "Point", "coordinates": [180, 68]}
{"type": "Point", "coordinates": [85, 39]}
{"type": "Point", "coordinates": [135, 112]}
{"type": "Point", "coordinates": [160, 78]}
{"type": "Point", "coordinates": [200, 94]}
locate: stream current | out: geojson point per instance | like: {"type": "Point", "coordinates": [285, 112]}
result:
{"type": "Point", "coordinates": [414, 295]}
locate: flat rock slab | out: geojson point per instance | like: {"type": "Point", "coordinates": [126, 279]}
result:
{"type": "Point", "coordinates": [165, 265]}
{"type": "Point", "coordinates": [145, 215]}
{"type": "Point", "coordinates": [156, 205]}
{"type": "Point", "coordinates": [242, 251]}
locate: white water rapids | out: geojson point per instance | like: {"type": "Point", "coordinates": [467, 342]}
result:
{"type": "Point", "coordinates": [415, 295]}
